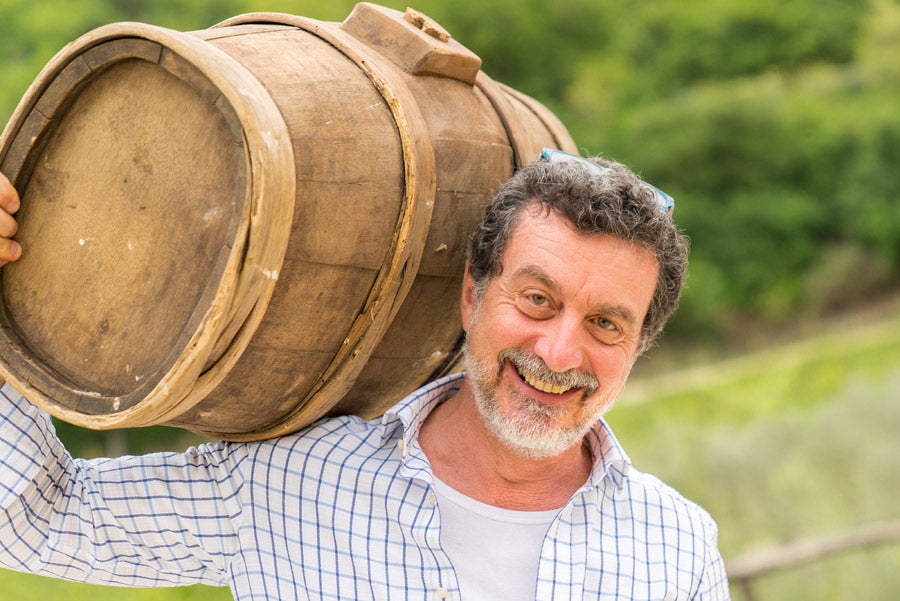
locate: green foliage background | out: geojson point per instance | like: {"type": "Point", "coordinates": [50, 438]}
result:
{"type": "Point", "coordinates": [775, 125]}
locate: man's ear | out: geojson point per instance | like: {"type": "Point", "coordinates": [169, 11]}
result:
{"type": "Point", "coordinates": [467, 300]}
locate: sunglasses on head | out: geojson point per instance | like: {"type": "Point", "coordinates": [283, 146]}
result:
{"type": "Point", "coordinates": [665, 202]}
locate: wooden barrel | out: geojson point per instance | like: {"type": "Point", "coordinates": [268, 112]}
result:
{"type": "Point", "coordinates": [241, 229]}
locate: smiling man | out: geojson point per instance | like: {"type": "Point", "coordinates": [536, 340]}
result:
{"type": "Point", "coordinates": [571, 276]}
{"type": "Point", "coordinates": [550, 341]}
{"type": "Point", "coordinates": [500, 483]}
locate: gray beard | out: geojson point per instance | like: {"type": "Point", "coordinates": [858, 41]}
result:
{"type": "Point", "coordinates": [532, 430]}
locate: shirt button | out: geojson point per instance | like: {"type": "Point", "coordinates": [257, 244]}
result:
{"type": "Point", "coordinates": [400, 445]}
{"type": "Point", "coordinates": [443, 593]}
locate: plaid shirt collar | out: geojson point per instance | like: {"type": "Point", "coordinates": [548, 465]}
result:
{"type": "Point", "coordinates": [404, 420]}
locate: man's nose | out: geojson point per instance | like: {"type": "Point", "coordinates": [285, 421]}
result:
{"type": "Point", "coordinates": [559, 345]}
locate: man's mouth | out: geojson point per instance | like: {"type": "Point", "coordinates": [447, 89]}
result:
{"type": "Point", "coordinates": [539, 384]}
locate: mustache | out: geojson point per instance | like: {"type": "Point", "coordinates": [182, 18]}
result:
{"type": "Point", "coordinates": [527, 361]}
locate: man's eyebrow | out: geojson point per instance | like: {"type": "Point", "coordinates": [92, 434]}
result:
{"type": "Point", "coordinates": [544, 278]}
{"type": "Point", "coordinates": [616, 311]}
{"type": "Point", "coordinates": [539, 274]}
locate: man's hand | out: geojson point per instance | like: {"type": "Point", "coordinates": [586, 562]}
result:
{"type": "Point", "coordinates": [9, 204]}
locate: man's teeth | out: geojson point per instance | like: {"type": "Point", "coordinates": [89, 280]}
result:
{"type": "Point", "coordinates": [542, 385]}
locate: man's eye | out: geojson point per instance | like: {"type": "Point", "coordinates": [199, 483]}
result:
{"type": "Point", "coordinates": [535, 305]}
{"type": "Point", "coordinates": [604, 323]}
{"type": "Point", "coordinates": [539, 299]}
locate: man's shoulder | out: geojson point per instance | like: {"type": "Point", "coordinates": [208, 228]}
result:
{"type": "Point", "coordinates": [344, 430]}
{"type": "Point", "coordinates": [323, 452]}
{"type": "Point", "coordinates": [665, 502]}
{"type": "Point", "coordinates": [350, 440]}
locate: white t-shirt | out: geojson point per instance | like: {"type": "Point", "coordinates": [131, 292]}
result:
{"type": "Point", "coordinates": [495, 551]}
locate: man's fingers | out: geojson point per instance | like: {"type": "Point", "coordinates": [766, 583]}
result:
{"type": "Point", "coordinates": [9, 251]}
{"type": "Point", "coordinates": [9, 198]}
{"type": "Point", "coordinates": [8, 225]}
{"type": "Point", "coordinates": [9, 204]}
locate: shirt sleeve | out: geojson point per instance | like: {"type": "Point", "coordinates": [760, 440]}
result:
{"type": "Point", "coordinates": [163, 519]}
{"type": "Point", "coordinates": [714, 581]}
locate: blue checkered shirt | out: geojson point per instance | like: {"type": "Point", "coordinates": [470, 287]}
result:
{"type": "Point", "coordinates": [342, 510]}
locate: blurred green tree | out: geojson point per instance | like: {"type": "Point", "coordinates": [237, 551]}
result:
{"type": "Point", "coordinates": [773, 124]}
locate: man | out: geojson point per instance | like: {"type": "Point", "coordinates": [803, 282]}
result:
{"type": "Point", "coordinates": [503, 483]}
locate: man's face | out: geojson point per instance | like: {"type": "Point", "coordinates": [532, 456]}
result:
{"type": "Point", "coordinates": [553, 337]}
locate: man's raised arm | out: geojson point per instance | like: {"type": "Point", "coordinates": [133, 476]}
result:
{"type": "Point", "coordinates": [159, 520]}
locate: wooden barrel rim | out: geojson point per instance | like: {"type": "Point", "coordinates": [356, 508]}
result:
{"type": "Point", "coordinates": [49, 106]}
{"type": "Point", "coordinates": [515, 130]}
{"type": "Point", "coordinates": [399, 269]}
{"type": "Point", "coordinates": [252, 266]}
{"type": "Point", "coordinates": [556, 128]}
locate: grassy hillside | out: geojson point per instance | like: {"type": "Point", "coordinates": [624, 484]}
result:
{"type": "Point", "coordinates": [794, 441]}
{"type": "Point", "coordinates": [797, 441]}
